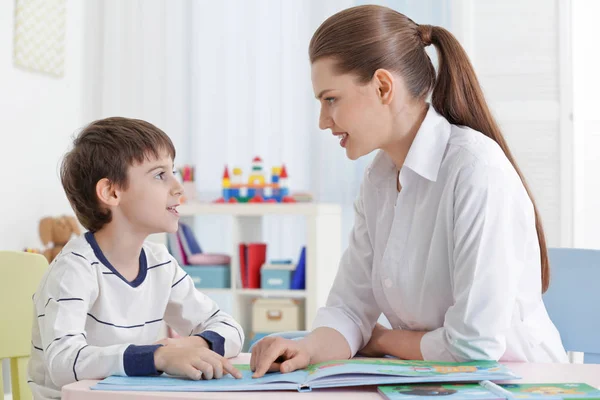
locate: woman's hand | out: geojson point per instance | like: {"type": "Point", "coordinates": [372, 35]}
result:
{"type": "Point", "coordinates": [374, 348]}
{"type": "Point", "coordinates": [278, 354]}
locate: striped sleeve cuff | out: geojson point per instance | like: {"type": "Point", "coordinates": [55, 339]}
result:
{"type": "Point", "coordinates": [215, 341]}
{"type": "Point", "coordinates": [139, 360]}
{"type": "Point", "coordinates": [334, 318]}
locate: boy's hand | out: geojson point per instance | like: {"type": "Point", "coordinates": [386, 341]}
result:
{"type": "Point", "coordinates": [193, 362]}
{"type": "Point", "coordinates": [188, 341]}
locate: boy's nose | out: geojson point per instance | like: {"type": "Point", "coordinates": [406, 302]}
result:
{"type": "Point", "coordinates": [178, 188]}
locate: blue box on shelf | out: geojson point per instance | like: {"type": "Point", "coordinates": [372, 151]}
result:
{"type": "Point", "coordinates": [209, 276]}
{"type": "Point", "coordinates": [276, 276]}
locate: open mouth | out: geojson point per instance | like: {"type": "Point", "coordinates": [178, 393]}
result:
{"type": "Point", "coordinates": [173, 210]}
{"type": "Point", "coordinates": [343, 136]}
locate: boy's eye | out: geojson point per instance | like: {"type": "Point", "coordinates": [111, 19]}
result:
{"type": "Point", "coordinates": [160, 176]}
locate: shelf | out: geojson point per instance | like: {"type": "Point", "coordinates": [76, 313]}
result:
{"type": "Point", "coordinates": [245, 209]}
{"type": "Point", "coordinates": [272, 293]}
{"type": "Point", "coordinates": [321, 238]}
{"type": "Point", "coordinates": [214, 290]}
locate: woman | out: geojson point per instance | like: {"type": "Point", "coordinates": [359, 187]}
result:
{"type": "Point", "coordinates": [447, 241]}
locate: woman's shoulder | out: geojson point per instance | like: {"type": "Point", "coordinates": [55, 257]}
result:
{"type": "Point", "coordinates": [469, 149]}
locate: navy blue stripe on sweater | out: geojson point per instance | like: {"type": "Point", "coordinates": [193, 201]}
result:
{"type": "Point", "coordinates": [75, 362]}
{"type": "Point", "coordinates": [160, 265]}
{"type": "Point", "coordinates": [70, 299]}
{"type": "Point", "coordinates": [59, 338]}
{"type": "Point", "coordinates": [172, 286]}
{"type": "Point", "coordinates": [124, 326]}
{"type": "Point", "coordinates": [79, 255]}
{"type": "Point", "coordinates": [236, 329]}
{"type": "Point", "coordinates": [65, 299]}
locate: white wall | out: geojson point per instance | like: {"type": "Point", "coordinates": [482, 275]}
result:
{"type": "Point", "coordinates": [586, 85]}
{"type": "Point", "coordinates": [515, 49]}
{"type": "Point", "coordinates": [38, 115]}
{"type": "Point", "coordinates": [519, 70]}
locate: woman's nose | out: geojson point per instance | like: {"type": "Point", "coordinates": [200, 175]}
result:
{"type": "Point", "coordinates": [325, 121]}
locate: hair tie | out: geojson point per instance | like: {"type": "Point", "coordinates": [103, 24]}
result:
{"type": "Point", "coordinates": [424, 32]}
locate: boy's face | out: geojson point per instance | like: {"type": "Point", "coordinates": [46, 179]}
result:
{"type": "Point", "coordinates": [149, 204]}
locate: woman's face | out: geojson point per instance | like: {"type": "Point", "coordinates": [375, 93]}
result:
{"type": "Point", "coordinates": [358, 114]}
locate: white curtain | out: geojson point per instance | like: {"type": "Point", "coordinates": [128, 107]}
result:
{"type": "Point", "coordinates": [230, 80]}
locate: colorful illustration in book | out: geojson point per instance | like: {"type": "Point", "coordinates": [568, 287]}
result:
{"type": "Point", "coordinates": [313, 368]}
{"type": "Point", "coordinates": [425, 390]}
{"type": "Point", "coordinates": [442, 369]}
{"type": "Point", "coordinates": [421, 367]}
{"type": "Point", "coordinates": [546, 390]}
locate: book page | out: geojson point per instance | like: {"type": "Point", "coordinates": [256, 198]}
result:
{"type": "Point", "coordinates": [166, 383]}
{"type": "Point", "coordinates": [367, 369]}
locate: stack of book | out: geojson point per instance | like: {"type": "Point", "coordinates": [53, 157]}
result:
{"type": "Point", "coordinates": [208, 270]}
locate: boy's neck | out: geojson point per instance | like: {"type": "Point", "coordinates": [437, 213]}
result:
{"type": "Point", "coordinates": [122, 247]}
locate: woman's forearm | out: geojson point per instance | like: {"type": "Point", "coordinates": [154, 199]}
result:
{"type": "Point", "coordinates": [402, 344]}
{"type": "Point", "coordinates": [325, 344]}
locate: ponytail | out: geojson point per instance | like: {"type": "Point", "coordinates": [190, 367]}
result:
{"type": "Point", "coordinates": [458, 97]}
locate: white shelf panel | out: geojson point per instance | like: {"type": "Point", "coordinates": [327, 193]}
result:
{"type": "Point", "coordinates": [271, 293]}
{"type": "Point", "coordinates": [209, 291]}
{"type": "Point", "coordinates": [245, 209]}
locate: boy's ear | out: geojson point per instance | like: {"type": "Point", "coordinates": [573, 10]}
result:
{"type": "Point", "coordinates": [107, 193]}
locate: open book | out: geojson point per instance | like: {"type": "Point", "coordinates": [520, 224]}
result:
{"type": "Point", "coordinates": [490, 391]}
{"type": "Point", "coordinates": [354, 372]}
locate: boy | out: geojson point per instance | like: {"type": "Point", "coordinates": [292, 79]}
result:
{"type": "Point", "coordinates": [100, 305]}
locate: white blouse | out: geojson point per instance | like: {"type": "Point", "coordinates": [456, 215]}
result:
{"type": "Point", "coordinates": [455, 253]}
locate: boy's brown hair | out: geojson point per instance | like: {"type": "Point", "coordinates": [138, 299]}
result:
{"type": "Point", "coordinates": [106, 149]}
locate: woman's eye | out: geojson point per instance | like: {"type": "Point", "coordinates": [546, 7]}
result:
{"type": "Point", "coordinates": [330, 100]}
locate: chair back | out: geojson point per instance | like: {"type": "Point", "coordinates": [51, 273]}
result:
{"type": "Point", "coordinates": [20, 275]}
{"type": "Point", "coordinates": [573, 299]}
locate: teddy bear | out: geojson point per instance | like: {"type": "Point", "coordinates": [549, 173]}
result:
{"type": "Point", "coordinates": [55, 232]}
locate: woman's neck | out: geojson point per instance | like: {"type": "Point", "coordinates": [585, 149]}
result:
{"type": "Point", "coordinates": [405, 128]}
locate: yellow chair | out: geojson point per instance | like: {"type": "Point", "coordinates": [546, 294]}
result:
{"type": "Point", "coordinates": [20, 274]}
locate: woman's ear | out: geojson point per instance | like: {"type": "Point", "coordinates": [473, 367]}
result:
{"type": "Point", "coordinates": [107, 193]}
{"type": "Point", "coordinates": [385, 85]}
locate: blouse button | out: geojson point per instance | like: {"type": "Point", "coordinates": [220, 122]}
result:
{"type": "Point", "coordinates": [388, 283]}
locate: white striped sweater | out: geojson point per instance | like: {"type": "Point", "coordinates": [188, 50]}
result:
{"type": "Point", "coordinates": [91, 323]}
